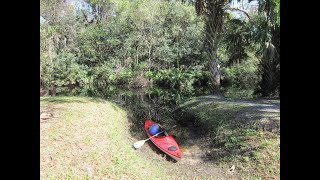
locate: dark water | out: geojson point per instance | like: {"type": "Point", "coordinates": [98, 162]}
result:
{"type": "Point", "coordinates": [154, 103]}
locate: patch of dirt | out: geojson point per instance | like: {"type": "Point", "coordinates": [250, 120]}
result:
{"type": "Point", "coordinates": [48, 114]}
{"type": "Point", "coordinates": [195, 161]}
{"type": "Point", "coordinates": [195, 164]}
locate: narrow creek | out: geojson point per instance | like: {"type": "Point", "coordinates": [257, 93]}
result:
{"type": "Point", "coordinates": [161, 105]}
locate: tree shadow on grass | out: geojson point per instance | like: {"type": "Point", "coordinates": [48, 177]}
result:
{"type": "Point", "coordinates": [61, 100]}
{"type": "Point", "coordinates": [219, 126]}
{"type": "Point", "coordinates": [223, 132]}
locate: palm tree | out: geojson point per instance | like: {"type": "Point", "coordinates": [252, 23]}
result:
{"type": "Point", "coordinates": [213, 12]}
{"type": "Point", "coordinates": [268, 35]}
{"type": "Point", "coordinates": [263, 28]}
{"type": "Point", "coordinates": [236, 39]}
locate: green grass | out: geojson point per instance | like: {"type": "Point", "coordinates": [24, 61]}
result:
{"type": "Point", "coordinates": [89, 139]}
{"type": "Point", "coordinates": [239, 141]}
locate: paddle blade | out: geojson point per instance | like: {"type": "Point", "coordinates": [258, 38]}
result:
{"type": "Point", "coordinates": [138, 144]}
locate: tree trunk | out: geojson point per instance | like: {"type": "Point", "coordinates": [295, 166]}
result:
{"type": "Point", "coordinates": [213, 35]}
{"type": "Point", "coordinates": [215, 75]}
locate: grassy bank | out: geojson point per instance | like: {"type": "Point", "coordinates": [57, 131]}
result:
{"type": "Point", "coordinates": [239, 133]}
{"type": "Point", "coordinates": [87, 138]}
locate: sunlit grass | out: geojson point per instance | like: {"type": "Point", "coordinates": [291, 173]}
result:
{"type": "Point", "coordinates": [87, 141]}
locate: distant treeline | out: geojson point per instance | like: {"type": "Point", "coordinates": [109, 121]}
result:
{"type": "Point", "coordinates": [157, 43]}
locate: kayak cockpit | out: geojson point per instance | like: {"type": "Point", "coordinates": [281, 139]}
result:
{"type": "Point", "coordinates": [164, 141]}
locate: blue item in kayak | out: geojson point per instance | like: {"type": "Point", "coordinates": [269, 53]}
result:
{"type": "Point", "coordinates": [154, 129]}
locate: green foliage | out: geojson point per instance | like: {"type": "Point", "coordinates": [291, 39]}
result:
{"type": "Point", "coordinates": [267, 35]}
{"type": "Point", "coordinates": [67, 74]}
{"type": "Point", "coordinates": [91, 46]}
{"type": "Point", "coordinates": [144, 35]}
{"type": "Point", "coordinates": [102, 78]}
{"type": "Point", "coordinates": [124, 77]}
{"type": "Point", "coordinates": [241, 80]}
{"type": "Point", "coordinates": [269, 69]}
{"type": "Point", "coordinates": [201, 78]}
{"type": "Point", "coordinates": [236, 40]}
{"type": "Point", "coordinates": [175, 79]}
{"type": "Point", "coordinates": [161, 39]}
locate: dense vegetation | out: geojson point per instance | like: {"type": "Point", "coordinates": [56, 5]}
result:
{"type": "Point", "coordinates": [134, 44]}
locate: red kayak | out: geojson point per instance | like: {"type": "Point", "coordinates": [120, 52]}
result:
{"type": "Point", "coordinates": [165, 143]}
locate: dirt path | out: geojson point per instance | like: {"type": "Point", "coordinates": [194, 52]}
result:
{"type": "Point", "coordinates": [264, 112]}
{"type": "Point", "coordinates": [261, 104]}
{"type": "Point", "coordinates": [196, 162]}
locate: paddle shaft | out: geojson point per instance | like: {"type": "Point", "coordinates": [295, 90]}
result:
{"type": "Point", "coordinates": [138, 144]}
{"type": "Point", "coordinates": [155, 135]}
{"type": "Point", "coordinates": [160, 133]}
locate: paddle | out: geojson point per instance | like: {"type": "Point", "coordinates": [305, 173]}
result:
{"type": "Point", "coordinates": [139, 144]}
